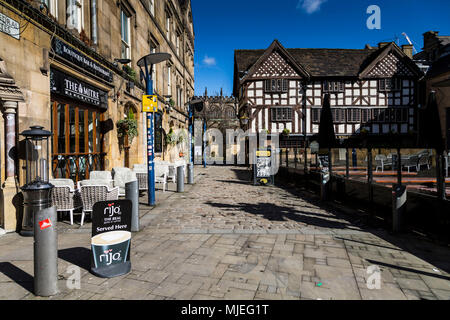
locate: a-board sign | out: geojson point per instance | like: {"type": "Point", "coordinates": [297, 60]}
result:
{"type": "Point", "coordinates": [324, 161]}
{"type": "Point", "coordinates": [111, 238]}
{"type": "Point", "coordinates": [262, 167]}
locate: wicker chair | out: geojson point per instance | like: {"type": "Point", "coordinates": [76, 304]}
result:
{"type": "Point", "coordinates": [65, 197]}
{"type": "Point", "coordinates": [93, 191]}
{"type": "Point", "coordinates": [105, 176]}
{"type": "Point", "coordinates": [121, 177]}
{"type": "Point", "coordinates": [141, 174]}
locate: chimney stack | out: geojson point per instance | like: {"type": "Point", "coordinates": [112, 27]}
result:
{"type": "Point", "coordinates": [408, 50]}
{"type": "Point", "coordinates": [383, 44]}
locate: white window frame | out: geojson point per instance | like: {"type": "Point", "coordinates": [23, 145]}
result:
{"type": "Point", "coordinates": [124, 43]}
{"type": "Point", "coordinates": [151, 6]}
{"type": "Point", "coordinates": [169, 80]}
{"type": "Point", "coordinates": [153, 49]}
{"type": "Point", "coordinates": [75, 14]}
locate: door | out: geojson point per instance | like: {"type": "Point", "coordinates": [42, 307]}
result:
{"type": "Point", "coordinates": [77, 141]}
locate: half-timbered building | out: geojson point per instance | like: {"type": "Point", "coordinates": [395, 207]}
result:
{"type": "Point", "coordinates": [372, 89]}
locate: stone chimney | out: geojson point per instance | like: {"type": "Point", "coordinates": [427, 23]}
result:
{"type": "Point", "coordinates": [408, 50]}
{"type": "Point", "coordinates": [383, 44]}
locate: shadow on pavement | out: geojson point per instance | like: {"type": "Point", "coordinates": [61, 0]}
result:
{"type": "Point", "coordinates": [273, 212]}
{"type": "Point", "coordinates": [17, 275]}
{"type": "Point", "coordinates": [428, 274]}
{"type": "Point", "coordinates": [80, 257]}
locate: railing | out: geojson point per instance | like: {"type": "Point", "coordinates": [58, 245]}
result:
{"type": "Point", "coordinates": [76, 166]}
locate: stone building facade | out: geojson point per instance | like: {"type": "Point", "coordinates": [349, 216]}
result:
{"type": "Point", "coordinates": [71, 67]}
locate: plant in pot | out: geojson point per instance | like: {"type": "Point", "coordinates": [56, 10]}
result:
{"type": "Point", "coordinates": [171, 138]}
{"type": "Point", "coordinates": [127, 127]}
{"type": "Point", "coordinates": [286, 132]}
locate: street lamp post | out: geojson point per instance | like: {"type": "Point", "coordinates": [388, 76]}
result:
{"type": "Point", "coordinates": [147, 63]}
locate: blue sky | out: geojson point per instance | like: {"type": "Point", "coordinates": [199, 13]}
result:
{"type": "Point", "coordinates": [221, 26]}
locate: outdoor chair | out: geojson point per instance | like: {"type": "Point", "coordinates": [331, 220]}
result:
{"type": "Point", "coordinates": [172, 174]}
{"type": "Point", "coordinates": [424, 160]}
{"type": "Point", "coordinates": [93, 191]}
{"type": "Point", "coordinates": [382, 161]}
{"type": "Point", "coordinates": [161, 172]}
{"type": "Point", "coordinates": [142, 176]}
{"type": "Point", "coordinates": [447, 164]}
{"type": "Point", "coordinates": [105, 176]}
{"type": "Point", "coordinates": [65, 197]}
{"type": "Point", "coordinates": [121, 177]}
{"type": "Point", "coordinates": [411, 162]}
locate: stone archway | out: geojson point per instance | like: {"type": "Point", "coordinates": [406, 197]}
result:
{"type": "Point", "coordinates": [10, 96]}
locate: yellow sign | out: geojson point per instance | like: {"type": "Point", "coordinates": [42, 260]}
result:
{"type": "Point", "coordinates": [263, 153]}
{"type": "Point", "coordinates": [150, 103]}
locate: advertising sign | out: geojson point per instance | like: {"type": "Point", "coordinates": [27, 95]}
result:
{"type": "Point", "coordinates": [65, 85]}
{"type": "Point", "coordinates": [80, 59]}
{"type": "Point", "coordinates": [262, 168]}
{"type": "Point", "coordinates": [150, 103]}
{"type": "Point", "coordinates": [111, 238]}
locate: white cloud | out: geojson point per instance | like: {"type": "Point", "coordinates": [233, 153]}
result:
{"type": "Point", "coordinates": [209, 61]}
{"type": "Point", "coordinates": [310, 6]}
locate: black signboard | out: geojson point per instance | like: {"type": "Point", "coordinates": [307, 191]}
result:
{"type": "Point", "coordinates": [68, 86]}
{"type": "Point", "coordinates": [262, 167]}
{"type": "Point", "coordinates": [111, 238]}
{"type": "Point", "coordinates": [80, 59]}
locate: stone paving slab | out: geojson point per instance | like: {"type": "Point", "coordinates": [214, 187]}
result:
{"type": "Point", "coordinates": [227, 239]}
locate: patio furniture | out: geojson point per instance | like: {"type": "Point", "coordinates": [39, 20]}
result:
{"type": "Point", "coordinates": [424, 160]}
{"type": "Point", "coordinates": [121, 177]}
{"type": "Point", "coordinates": [93, 191]}
{"type": "Point", "coordinates": [65, 197]}
{"type": "Point", "coordinates": [161, 173]}
{"type": "Point", "coordinates": [382, 161]}
{"type": "Point", "coordinates": [142, 176]}
{"type": "Point", "coordinates": [105, 176]}
{"type": "Point", "coordinates": [411, 162]}
{"type": "Point", "coordinates": [447, 164]}
{"type": "Point", "coordinates": [172, 174]}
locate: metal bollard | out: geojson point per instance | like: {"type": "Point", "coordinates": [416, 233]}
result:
{"type": "Point", "coordinates": [132, 194]}
{"type": "Point", "coordinates": [45, 253]}
{"type": "Point", "coordinates": [399, 200]}
{"type": "Point", "coordinates": [190, 173]}
{"type": "Point", "coordinates": [180, 179]}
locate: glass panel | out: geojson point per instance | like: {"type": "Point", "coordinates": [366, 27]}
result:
{"type": "Point", "coordinates": [81, 145]}
{"type": "Point", "coordinates": [91, 131]}
{"type": "Point", "coordinates": [61, 128]}
{"type": "Point", "coordinates": [72, 129]}
{"type": "Point", "coordinates": [97, 138]}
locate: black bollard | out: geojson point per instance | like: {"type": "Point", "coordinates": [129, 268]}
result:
{"type": "Point", "coordinates": [180, 179]}
{"type": "Point", "coordinates": [45, 252]}
{"type": "Point", "coordinates": [399, 200]}
{"type": "Point", "coordinates": [132, 194]}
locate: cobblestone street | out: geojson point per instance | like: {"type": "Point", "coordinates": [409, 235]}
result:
{"type": "Point", "coordinates": [227, 239]}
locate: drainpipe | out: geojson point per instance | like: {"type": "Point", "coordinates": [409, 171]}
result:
{"type": "Point", "coordinates": [94, 22]}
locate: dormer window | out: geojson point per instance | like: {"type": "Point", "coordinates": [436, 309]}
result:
{"type": "Point", "coordinates": [276, 85]}
{"type": "Point", "coordinates": [391, 84]}
{"type": "Point", "coordinates": [333, 86]}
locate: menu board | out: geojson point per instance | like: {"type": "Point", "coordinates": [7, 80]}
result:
{"type": "Point", "coordinates": [263, 171]}
{"type": "Point", "coordinates": [111, 238]}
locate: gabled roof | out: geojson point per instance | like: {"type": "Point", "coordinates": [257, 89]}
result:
{"type": "Point", "coordinates": [324, 62]}
{"type": "Point", "coordinates": [382, 53]}
{"type": "Point", "coordinates": [276, 46]}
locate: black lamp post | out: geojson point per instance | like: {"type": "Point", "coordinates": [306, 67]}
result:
{"type": "Point", "coordinates": [36, 191]}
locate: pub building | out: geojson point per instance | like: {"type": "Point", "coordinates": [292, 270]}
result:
{"type": "Point", "coordinates": [74, 72]}
{"type": "Point", "coordinates": [281, 90]}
